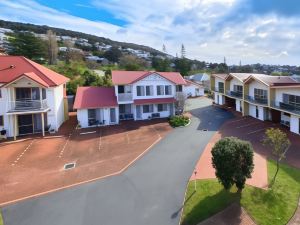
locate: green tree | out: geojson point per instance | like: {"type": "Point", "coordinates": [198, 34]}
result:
{"type": "Point", "coordinates": [279, 142]}
{"type": "Point", "coordinates": [162, 65]}
{"type": "Point", "coordinates": [232, 159]}
{"type": "Point", "coordinates": [113, 54]}
{"type": "Point", "coordinates": [182, 65]}
{"type": "Point", "coordinates": [132, 63]}
{"type": "Point", "coordinates": [26, 44]}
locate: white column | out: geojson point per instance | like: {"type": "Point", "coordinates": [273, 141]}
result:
{"type": "Point", "coordinates": [43, 125]}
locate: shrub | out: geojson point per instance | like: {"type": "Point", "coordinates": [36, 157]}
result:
{"type": "Point", "coordinates": [178, 121]}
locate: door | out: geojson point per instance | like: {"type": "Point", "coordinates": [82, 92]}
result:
{"type": "Point", "coordinates": [25, 124]}
{"type": "Point", "coordinates": [113, 115]}
{"type": "Point", "coordinates": [138, 112]}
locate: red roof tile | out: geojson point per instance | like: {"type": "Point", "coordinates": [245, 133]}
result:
{"type": "Point", "coordinates": [154, 101]}
{"type": "Point", "coordinates": [13, 67]}
{"type": "Point", "coordinates": [129, 77]}
{"type": "Point", "coordinates": [95, 97]}
{"type": "Point", "coordinates": [189, 83]}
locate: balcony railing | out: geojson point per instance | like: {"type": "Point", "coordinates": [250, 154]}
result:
{"type": "Point", "coordinates": [27, 105]}
{"type": "Point", "coordinates": [293, 108]}
{"type": "Point", "coordinates": [125, 97]}
{"type": "Point", "coordinates": [262, 101]}
{"type": "Point", "coordinates": [235, 94]}
{"type": "Point", "coordinates": [219, 89]}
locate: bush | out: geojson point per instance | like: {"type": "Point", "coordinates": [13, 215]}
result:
{"type": "Point", "coordinates": [178, 121]}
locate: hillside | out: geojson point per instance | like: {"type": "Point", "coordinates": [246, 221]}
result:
{"type": "Point", "coordinates": [38, 29]}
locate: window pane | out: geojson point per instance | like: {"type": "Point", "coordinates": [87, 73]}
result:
{"type": "Point", "coordinates": [1, 121]}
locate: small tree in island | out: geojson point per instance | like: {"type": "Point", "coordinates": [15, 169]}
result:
{"type": "Point", "coordinates": [279, 142]}
{"type": "Point", "coordinates": [232, 159]}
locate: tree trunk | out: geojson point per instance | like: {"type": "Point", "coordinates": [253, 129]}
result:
{"type": "Point", "coordinates": [277, 169]}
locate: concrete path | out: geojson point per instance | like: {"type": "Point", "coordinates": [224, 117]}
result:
{"type": "Point", "coordinates": [150, 192]}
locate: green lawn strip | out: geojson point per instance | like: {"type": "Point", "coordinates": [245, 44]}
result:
{"type": "Point", "coordinates": [1, 220]}
{"type": "Point", "coordinates": [275, 206]}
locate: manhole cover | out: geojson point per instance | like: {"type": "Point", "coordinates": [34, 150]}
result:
{"type": "Point", "coordinates": [69, 166]}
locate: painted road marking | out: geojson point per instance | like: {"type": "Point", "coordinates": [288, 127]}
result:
{"type": "Point", "coordinates": [21, 155]}
{"type": "Point", "coordinates": [100, 140]}
{"type": "Point", "coordinates": [249, 124]}
{"type": "Point", "coordinates": [89, 132]}
{"type": "Point", "coordinates": [64, 147]}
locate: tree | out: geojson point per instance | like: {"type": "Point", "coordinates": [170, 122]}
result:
{"type": "Point", "coordinates": [162, 65]}
{"type": "Point", "coordinates": [52, 47]}
{"type": "Point", "coordinates": [132, 63]}
{"type": "Point", "coordinates": [232, 159]}
{"type": "Point", "coordinates": [164, 49]}
{"type": "Point", "coordinates": [279, 142]}
{"type": "Point", "coordinates": [113, 54]}
{"type": "Point", "coordinates": [182, 65]}
{"type": "Point", "coordinates": [180, 102]}
{"type": "Point", "coordinates": [72, 54]}
{"type": "Point", "coordinates": [26, 44]}
{"type": "Point", "coordinates": [183, 52]}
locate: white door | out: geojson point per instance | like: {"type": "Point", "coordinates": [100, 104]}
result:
{"type": "Point", "coordinates": [112, 115]}
{"type": "Point", "coordinates": [138, 112]}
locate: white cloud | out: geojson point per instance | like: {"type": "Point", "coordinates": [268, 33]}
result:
{"type": "Point", "coordinates": [209, 29]}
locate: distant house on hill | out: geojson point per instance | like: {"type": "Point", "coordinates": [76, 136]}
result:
{"type": "Point", "coordinates": [200, 78]}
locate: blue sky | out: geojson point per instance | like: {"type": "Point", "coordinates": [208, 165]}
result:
{"type": "Point", "coordinates": [264, 31]}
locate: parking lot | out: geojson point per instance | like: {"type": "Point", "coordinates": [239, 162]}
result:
{"type": "Point", "coordinates": [37, 165]}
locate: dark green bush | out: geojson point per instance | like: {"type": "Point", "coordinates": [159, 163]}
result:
{"type": "Point", "coordinates": [177, 121]}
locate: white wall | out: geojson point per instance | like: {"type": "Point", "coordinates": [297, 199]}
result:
{"type": "Point", "coordinates": [258, 85]}
{"type": "Point", "coordinates": [238, 103]}
{"type": "Point", "coordinates": [163, 114]}
{"type": "Point", "coordinates": [219, 99]}
{"type": "Point", "coordinates": [154, 80]}
{"type": "Point", "coordinates": [280, 91]}
{"type": "Point", "coordinates": [261, 112]}
{"type": "Point", "coordinates": [294, 122]}
{"type": "Point", "coordinates": [190, 90]}
{"type": "Point", "coordinates": [233, 82]}
{"type": "Point", "coordinates": [82, 116]}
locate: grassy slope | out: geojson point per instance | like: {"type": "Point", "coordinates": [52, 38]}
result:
{"type": "Point", "coordinates": [272, 207]}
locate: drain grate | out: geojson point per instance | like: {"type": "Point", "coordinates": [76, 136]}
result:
{"type": "Point", "coordinates": [69, 166]}
{"type": "Point", "coordinates": [204, 130]}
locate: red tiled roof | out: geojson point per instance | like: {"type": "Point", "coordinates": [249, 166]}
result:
{"type": "Point", "coordinates": [154, 101]}
{"type": "Point", "coordinates": [220, 75]}
{"type": "Point", "coordinates": [95, 97]}
{"type": "Point", "coordinates": [13, 67]}
{"type": "Point", "coordinates": [129, 77]}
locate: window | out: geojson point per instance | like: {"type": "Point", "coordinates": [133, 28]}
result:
{"type": "Point", "coordinates": [0, 94]}
{"type": "Point", "coordinates": [238, 88]}
{"type": "Point", "coordinates": [178, 88]}
{"type": "Point", "coordinates": [125, 109]}
{"type": "Point", "coordinates": [121, 89]}
{"type": "Point", "coordinates": [91, 117]}
{"type": "Point", "coordinates": [1, 121]}
{"type": "Point", "coordinates": [43, 93]}
{"type": "Point", "coordinates": [168, 90]}
{"type": "Point", "coordinates": [147, 108]}
{"type": "Point", "coordinates": [162, 107]}
{"type": "Point", "coordinates": [241, 109]}
{"type": "Point", "coordinates": [299, 126]}
{"type": "Point", "coordinates": [291, 99]}
{"type": "Point", "coordinates": [160, 89]}
{"type": "Point", "coordinates": [260, 94]}
{"type": "Point", "coordinates": [221, 86]}
{"type": "Point", "coordinates": [257, 112]}
{"type": "Point", "coordinates": [149, 90]}
{"type": "Point", "coordinates": [140, 90]}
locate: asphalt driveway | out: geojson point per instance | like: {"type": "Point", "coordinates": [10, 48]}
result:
{"type": "Point", "coordinates": [151, 191]}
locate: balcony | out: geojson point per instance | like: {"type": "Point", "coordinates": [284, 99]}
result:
{"type": "Point", "coordinates": [292, 108]}
{"type": "Point", "coordinates": [27, 105]}
{"type": "Point", "coordinates": [219, 89]}
{"type": "Point", "coordinates": [235, 94]}
{"type": "Point", "coordinates": [125, 97]}
{"type": "Point", "coordinates": [261, 101]}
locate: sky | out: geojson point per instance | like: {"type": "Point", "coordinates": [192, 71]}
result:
{"type": "Point", "coordinates": [253, 31]}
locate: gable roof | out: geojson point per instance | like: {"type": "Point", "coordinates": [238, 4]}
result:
{"type": "Point", "coordinates": [273, 81]}
{"type": "Point", "coordinates": [13, 67]}
{"type": "Point", "coordinates": [222, 76]}
{"type": "Point", "coordinates": [189, 83]}
{"type": "Point", "coordinates": [239, 76]}
{"type": "Point", "coordinates": [198, 77]}
{"type": "Point", "coordinates": [130, 77]}
{"type": "Point", "coordinates": [95, 97]}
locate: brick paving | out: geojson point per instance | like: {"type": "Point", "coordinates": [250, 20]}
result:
{"type": "Point", "coordinates": [35, 165]}
{"type": "Point", "coordinates": [232, 215]}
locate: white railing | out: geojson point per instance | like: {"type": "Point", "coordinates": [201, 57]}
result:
{"type": "Point", "coordinates": [125, 97]}
{"type": "Point", "coordinates": [27, 105]}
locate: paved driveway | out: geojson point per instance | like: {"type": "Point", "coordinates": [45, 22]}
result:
{"type": "Point", "coordinates": [149, 192]}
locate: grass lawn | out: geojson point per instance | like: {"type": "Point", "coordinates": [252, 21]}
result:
{"type": "Point", "coordinates": [1, 221]}
{"type": "Point", "coordinates": [272, 207]}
